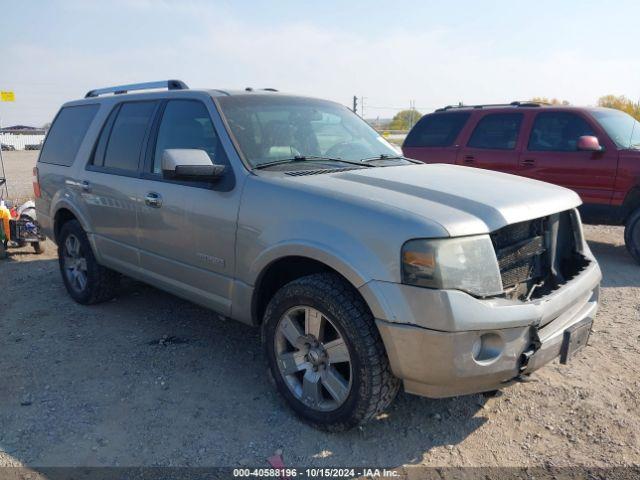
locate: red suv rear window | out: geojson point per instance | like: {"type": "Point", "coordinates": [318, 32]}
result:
{"type": "Point", "coordinates": [436, 130]}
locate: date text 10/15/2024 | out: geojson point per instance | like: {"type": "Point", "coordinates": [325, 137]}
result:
{"type": "Point", "coordinates": [333, 473]}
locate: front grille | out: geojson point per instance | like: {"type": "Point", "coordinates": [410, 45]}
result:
{"type": "Point", "coordinates": [519, 249]}
{"type": "Point", "coordinates": [521, 262]}
{"type": "Point", "coordinates": [538, 256]}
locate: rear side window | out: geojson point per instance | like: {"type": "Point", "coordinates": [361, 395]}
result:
{"type": "Point", "coordinates": [121, 140]}
{"type": "Point", "coordinates": [498, 131]}
{"type": "Point", "coordinates": [558, 132]}
{"type": "Point", "coordinates": [66, 134]}
{"type": "Point", "coordinates": [436, 130]}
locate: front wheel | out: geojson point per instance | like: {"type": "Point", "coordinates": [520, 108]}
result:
{"type": "Point", "coordinates": [325, 353]}
{"type": "Point", "coordinates": [632, 235]}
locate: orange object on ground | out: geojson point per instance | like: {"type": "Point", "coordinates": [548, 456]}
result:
{"type": "Point", "coordinates": [5, 216]}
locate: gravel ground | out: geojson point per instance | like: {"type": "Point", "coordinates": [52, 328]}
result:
{"type": "Point", "coordinates": [19, 172]}
{"type": "Point", "coordinates": [150, 379]}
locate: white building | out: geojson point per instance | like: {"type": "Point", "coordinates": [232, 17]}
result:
{"type": "Point", "coordinates": [22, 137]}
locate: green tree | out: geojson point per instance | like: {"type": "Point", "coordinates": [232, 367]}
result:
{"type": "Point", "coordinates": [552, 101]}
{"type": "Point", "coordinates": [404, 120]}
{"type": "Point", "coordinates": [621, 103]}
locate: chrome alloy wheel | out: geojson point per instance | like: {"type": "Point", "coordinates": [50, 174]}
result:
{"type": "Point", "coordinates": [75, 264]}
{"type": "Point", "coordinates": [313, 358]}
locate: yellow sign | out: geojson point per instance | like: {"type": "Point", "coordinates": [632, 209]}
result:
{"type": "Point", "coordinates": [7, 97]}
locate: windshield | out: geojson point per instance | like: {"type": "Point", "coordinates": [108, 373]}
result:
{"type": "Point", "coordinates": [271, 128]}
{"type": "Point", "coordinates": [623, 129]}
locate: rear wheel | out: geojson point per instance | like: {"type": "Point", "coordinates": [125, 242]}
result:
{"type": "Point", "coordinates": [632, 235]}
{"type": "Point", "coordinates": [38, 248]}
{"type": "Point", "coordinates": [325, 353]}
{"type": "Point", "coordinates": [87, 281]}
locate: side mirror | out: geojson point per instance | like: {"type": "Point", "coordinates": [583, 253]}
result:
{"type": "Point", "coordinates": [589, 143]}
{"type": "Point", "coordinates": [189, 163]}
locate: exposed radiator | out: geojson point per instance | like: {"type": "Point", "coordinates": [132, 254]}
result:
{"type": "Point", "coordinates": [537, 256]}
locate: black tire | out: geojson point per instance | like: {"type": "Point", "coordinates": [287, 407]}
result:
{"type": "Point", "coordinates": [632, 234]}
{"type": "Point", "coordinates": [38, 248]}
{"type": "Point", "coordinates": [101, 282]}
{"type": "Point", "coordinates": [373, 386]}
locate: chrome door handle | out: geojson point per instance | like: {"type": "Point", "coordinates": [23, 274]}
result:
{"type": "Point", "coordinates": [83, 185]}
{"type": "Point", "coordinates": [528, 162]}
{"type": "Point", "coordinates": [153, 199]}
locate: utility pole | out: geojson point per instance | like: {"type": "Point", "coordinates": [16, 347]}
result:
{"type": "Point", "coordinates": [7, 96]}
{"type": "Point", "coordinates": [412, 107]}
{"type": "Point", "coordinates": [3, 175]}
{"type": "Point", "coordinates": [362, 99]}
{"type": "Point", "coordinates": [355, 104]}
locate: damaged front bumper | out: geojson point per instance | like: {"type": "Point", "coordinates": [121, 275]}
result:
{"type": "Point", "coordinates": [443, 343]}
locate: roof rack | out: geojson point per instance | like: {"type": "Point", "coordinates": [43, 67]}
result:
{"type": "Point", "coordinates": [526, 103]}
{"type": "Point", "coordinates": [120, 89]}
{"type": "Point", "coordinates": [269, 89]}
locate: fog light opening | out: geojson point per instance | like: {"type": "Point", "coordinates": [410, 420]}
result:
{"type": "Point", "coordinates": [487, 348]}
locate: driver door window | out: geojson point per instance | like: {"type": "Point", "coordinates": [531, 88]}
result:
{"type": "Point", "coordinates": [185, 124]}
{"type": "Point", "coordinates": [557, 132]}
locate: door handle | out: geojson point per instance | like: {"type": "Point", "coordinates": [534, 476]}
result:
{"type": "Point", "coordinates": [153, 199]}
{"type": "Point", "coordinates": [469, 159]}
{"type": "Point", "coordinates": [528, 162]}
{"type": "Point", "coordinates": [83, 185]}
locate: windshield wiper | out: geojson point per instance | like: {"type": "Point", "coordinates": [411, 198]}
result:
{"type": "Point", "coordinates": [306, 158]}
{"type": "Point", "coordinates": [384, 156]}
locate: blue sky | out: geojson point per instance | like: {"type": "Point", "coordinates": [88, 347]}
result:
{"type": "Point", "coordinates": [432, 52]}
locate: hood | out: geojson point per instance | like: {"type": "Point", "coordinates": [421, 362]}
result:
{"type": "Point", "coordinates": [463, 200]}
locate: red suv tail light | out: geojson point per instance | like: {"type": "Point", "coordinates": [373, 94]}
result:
{"type": "Point", "coordinates": [36, 183]}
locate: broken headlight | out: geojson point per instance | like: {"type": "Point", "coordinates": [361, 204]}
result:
{"type": "Point", "coordinates": [465, 263]}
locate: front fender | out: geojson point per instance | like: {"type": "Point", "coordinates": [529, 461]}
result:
{"type": "Point", "coordinates": [308, 249]}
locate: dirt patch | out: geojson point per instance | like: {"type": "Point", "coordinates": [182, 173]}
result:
{"type": "Point", "coordinates": [18, 168]}
{"type": "Point", "coordinates": [149, 379]}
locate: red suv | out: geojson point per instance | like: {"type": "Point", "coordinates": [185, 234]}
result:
{"type": "Point", "coordinates": [594, 151]}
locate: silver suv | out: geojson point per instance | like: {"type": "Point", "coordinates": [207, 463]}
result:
{"type": "Point", "coordinates": [363, 269]}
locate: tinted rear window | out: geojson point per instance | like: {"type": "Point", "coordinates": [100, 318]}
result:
{"type": "Point", "coordinates": [66, 134]}
{"type": "Point", "coordinates": [127, 134]}
{"type": "Point", "coordinates": [498, 131]}
{"type": "Point", "coordinates": [436, 130]}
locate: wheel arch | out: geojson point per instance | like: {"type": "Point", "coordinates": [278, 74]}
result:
{"type": "Point", "coordinates": [62, 216]}
{"type": "Point", "coordinates": [63, 213]}
{"type": "Point", "coordinates": [282, 270]}
{"type": "Point", "coordinates": [631, 203]}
